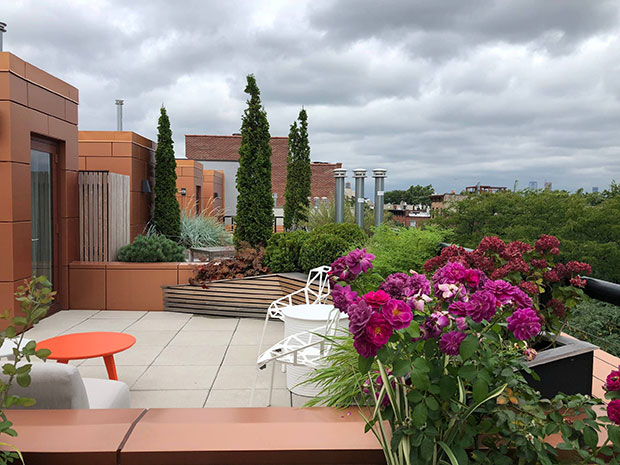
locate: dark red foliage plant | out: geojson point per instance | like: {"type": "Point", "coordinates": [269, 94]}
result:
{"type": "Point", "coordinates": [247, 261]}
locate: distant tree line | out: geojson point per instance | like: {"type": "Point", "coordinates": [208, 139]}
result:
{"type": "Point", "coordinates": [587, 224]}
{"type": "Point", "coordinates": [415, 195]}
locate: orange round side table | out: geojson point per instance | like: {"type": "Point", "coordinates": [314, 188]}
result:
{"type": "Point", "coordinates": [88, 345]}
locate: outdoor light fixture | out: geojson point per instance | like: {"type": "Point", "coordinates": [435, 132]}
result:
{"type": "Point", "coordinates": [215, 196]}
{"type": "Point", "coordinates": [183, 191]}
{"type": "Point", "coordinates": [146, 187]}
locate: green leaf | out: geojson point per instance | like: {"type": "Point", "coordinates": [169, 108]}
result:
{"type": "Point", "coordinates": [400, 368]}
{"type": "Point", "coordinates": [431, 403]}
{"type": "Point", "coordinates": [420, 380]}
{"type": "Point", "coordinates": [467, 372]}
{"type": "Point", "coordinates": [364, 364]}
{"type": "Point", "coordinates": [10, 332]}
{"type": "Point", "coordinates": [481, 389]}
{"type": "Point", "coordinates": [414, 329]}
{"type": "Point", "coordinates": [468, 347]}
{"type": "Point", "coordinates": [20, 321]}
{"type": "Point", "coordinates": [447, 387]}
{"type": "Point", "coordinates": [9, 369]}
{"type": "Point", "coordinates": [44, 353]}
{"type": "Point", "coordinates": [590, 437]}
{"type": "Point", "coordinates": [614, 435]}
{"type": "Point", "coordinates": [421, 364]}
{"type": "Point", "coordinates": [23, 380]}
{"type": "Point", "coordinates": [419, 415]}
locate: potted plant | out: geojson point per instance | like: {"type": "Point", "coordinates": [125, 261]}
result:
{"type": "Point", "coordinates": [554, 288]}
{"type": "Point", "coordinates": [444, 361]}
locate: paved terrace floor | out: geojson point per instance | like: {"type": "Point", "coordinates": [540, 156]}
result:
{"type": "Point", "coordinates": [184, 360]}
{"type": "Point", "coordinates": [180, 360]}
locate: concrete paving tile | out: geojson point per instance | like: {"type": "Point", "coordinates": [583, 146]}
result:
{"type": "Point", "coordinates": [162, 315]}
{"type": "Point", "coordinates": [299, 401]}
{"type": "Point", "coordinates": [150, 324]}
{"type": "Point", "coordinates": [100, 324]}
{"type": "Point", "coordinates": [135, 355]}
{"type": "Point", "coordinates": [202, 323]}
{"type": "Point", "coordinates": [243, 377]}
{"type": "Point", "coordinates": [201, 338]}
{"type": "Point", "coordinates": [241, 398]}
{"type": "Point", "coordinates": [185, 355]}
{"type": "Point", "coordinates": [123, 314]}
{"type": "Point", "coordinates": [241, 355]}
{"type": "Point", "coordinates": [152, 338]}
{"type": "Point", "coordinates": [157, 378]}
{"type": "Point", "coordinates": [247, 337]}
{"type": "Point", "coordinates": [78, 313]}
{"type": "Point", "coordinates": [168, 399]}
{"type": "Point", "coordinates": [127, 374]}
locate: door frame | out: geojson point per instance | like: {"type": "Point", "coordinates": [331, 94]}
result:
{"type": "Point", "coordinates": [52, 147]}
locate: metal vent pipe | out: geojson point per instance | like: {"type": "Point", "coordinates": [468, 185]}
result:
{"type": "Point", "coordinates": [2, 31]}
{"type": "Point", "coordinates": [360, 175]}
{"type": "Point", "coordinates": [119, 115]}
{"type": "Point", "coordinates": [379, 174]}
{"type": "Point", "coordinates": [340, 174]}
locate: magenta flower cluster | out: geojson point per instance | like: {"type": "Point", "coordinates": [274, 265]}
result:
{"type": "Point", "coordinates": [612, 384]}
{"type": "Point", "coordinates": [348, 267]}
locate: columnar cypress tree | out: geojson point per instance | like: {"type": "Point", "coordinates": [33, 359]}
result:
{"type": "Point", "coordinates": [166, 214]}
{"type": "Point", "coordinates": [298, 174]}
{"type": "Point", "coordinates": [254, 220]}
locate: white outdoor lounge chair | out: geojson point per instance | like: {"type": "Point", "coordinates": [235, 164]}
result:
{"type": "Point", "coordinates": [306, 348]}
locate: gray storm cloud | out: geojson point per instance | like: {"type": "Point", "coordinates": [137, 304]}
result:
{"type": "Point", "coordinates": [450, 93]}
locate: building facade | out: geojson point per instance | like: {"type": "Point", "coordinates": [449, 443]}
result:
{"type": "Point", "coordinates": [222, 153]}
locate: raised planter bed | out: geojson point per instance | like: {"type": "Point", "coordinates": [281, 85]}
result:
{"type": "Point", "coordinates": [567, 368]}
{"type": "Point", "coordinates": [245, 297]}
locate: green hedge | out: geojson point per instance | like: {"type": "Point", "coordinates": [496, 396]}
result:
{"type": "Point", "coordinates": [321, 249]}
{"type": "Point", "coordinates": [350, 233]}
{"type": "Point", "coordinates": [154, 248]}
{"type": "Point", "coordinates": [283, 249]}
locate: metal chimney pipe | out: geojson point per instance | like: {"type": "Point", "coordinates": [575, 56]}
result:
{"type": "Point", "coordinates": [359, 174]}
{"type": "Point", "coordinates": [119, 115]}
{"type": "Point", "coordinates": [2, 31]}
{"type": "Point", "coordinates": [339, 174]}
{"type": "Point", "coordinates": [379, 174]}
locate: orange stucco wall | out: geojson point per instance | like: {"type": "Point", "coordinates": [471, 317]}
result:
{"type": "Point", "coordinates": [123, 152]}
{"type": "Point", "coordinates": [35, 103]}
{"type": "Point", "coordinates": [213, 183]}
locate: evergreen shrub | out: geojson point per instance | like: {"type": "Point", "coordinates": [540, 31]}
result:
{"type": "Point", "coordinates": [153, 248]}
{"type": "Point", "coordinates": [350, 233]}
{"type": "Point", "coordinates": [321, 249]}
{"type": "Point", "coordinates": [283, 249]}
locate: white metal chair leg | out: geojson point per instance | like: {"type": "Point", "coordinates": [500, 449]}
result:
{"type": "Point", "coordinates": [273, 373]}
{"type": "Point", "coordinates": [262, 336]}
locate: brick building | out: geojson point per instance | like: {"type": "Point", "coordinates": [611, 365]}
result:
{"type": "Point", "coordinates": [222, 153]}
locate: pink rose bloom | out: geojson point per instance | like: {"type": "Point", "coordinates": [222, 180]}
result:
{"type": "Point", "coordinates": [419, 301]}
{"type": "Point", "coordinates": [613, 381]}
{"type": "Point", "coordinates": [450, 343]}
{"type": "Point", "coordinates": [377, 299]}
{"type": "Point", "coordinates": [461, 323]}
{"type": "Point", "coordinates": [472, 277]}
{"type": "Point", "coordinates": [448, 290]}
{"type": "Point", "coordinates": [397, 313]}
{"type": "Point", "coordinates": [524, 324]}
{"type": "Point", "coordinates": [613, 411]}
{"type": "Point", "coordinates": [378, 330]}
{"type": "Point", "coordinates": [364, 347]}
{"type": "Point", "coordinates": [460, 308]}
{"type": "Point", "coordinates": [482, 306]}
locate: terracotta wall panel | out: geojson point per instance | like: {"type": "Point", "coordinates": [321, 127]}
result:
{"type": "Point", "coordinates": [44, 79]}
{"type": "Point", "coordinates": [46, 102]}
{"type": "Point", "coordinates": [8, 61]}
{"type": "Point", "coordinates": [131, 290]}
{"type": "Point", "coordinates": [15, 250]}
{"type": "Point", "coordinates": [122, 149]}
{"type": "Point", "coordinates": [87, 288]}
{"type": "Point", "coordinates": [71, 112]}
{"type": "Point", "coordinates": [95, 149]}
{"type": "Point", "coordinates": [13, 88]}
{"type": "Point", "coordinates": [115, 165]}
{"type": "Point", "coordinates": [14, 192]}
{"type": "Point", "coordinates": [69, 195]}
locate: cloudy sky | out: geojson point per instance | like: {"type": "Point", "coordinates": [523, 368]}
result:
{"type": "Point", "coordinates": [448, 93]}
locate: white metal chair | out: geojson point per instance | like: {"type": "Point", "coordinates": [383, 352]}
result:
{"type": "Point", "coordinates": [316, 291]}
{"type": "Point", "coordinates": [306, 348]}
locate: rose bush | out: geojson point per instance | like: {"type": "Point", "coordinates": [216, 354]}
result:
{"type": "Point", "coordinates": [444, 358]}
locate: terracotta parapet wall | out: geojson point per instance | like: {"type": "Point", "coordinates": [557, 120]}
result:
{"type": "Point", "coordinates": [194, 436]}
{"type": "Point", "coordinates": [123, 285]}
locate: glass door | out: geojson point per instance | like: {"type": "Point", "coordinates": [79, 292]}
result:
{"type": "Point", "coordinates": [42, 213]}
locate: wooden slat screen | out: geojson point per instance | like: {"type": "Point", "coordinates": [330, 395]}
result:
{"type": "Point", "coordinates": [104, 214]}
